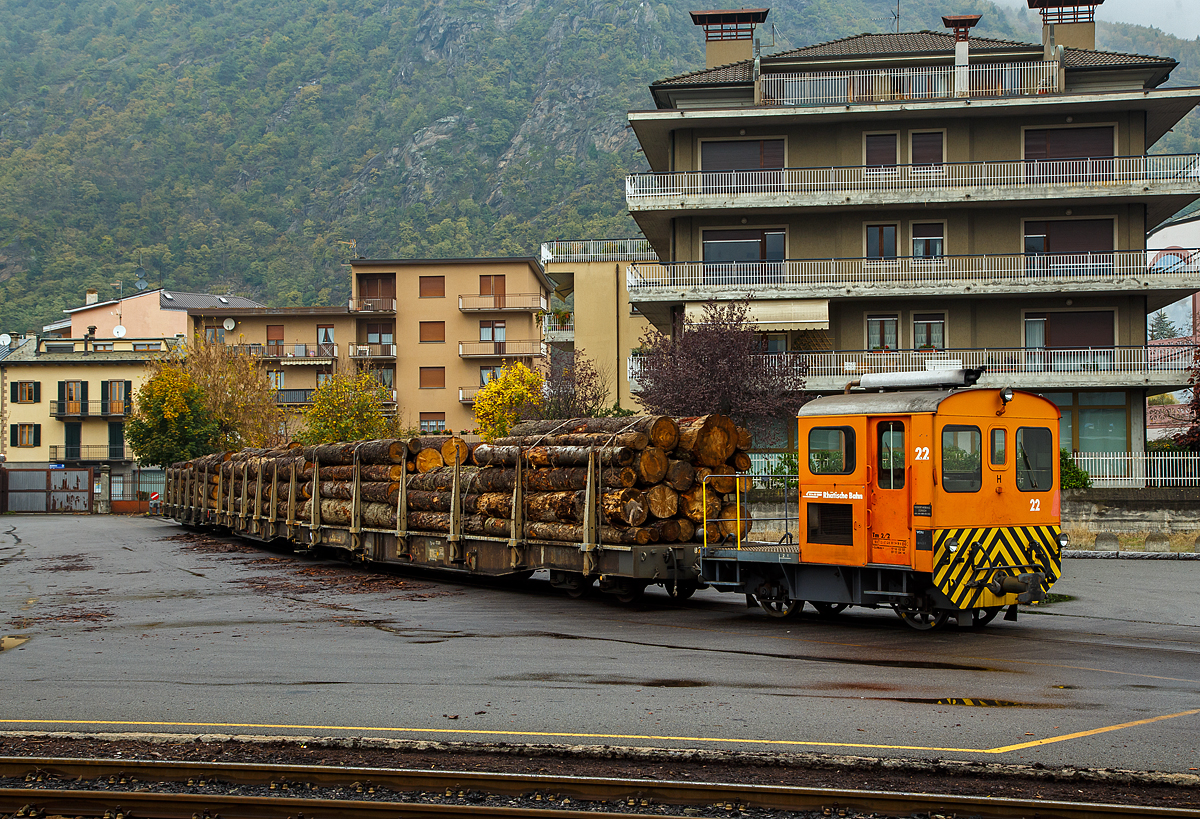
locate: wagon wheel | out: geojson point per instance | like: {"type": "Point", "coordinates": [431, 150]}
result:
{"type": "Point", "coordinates": [830, 609]}
{"type": "Point", "coordinates": [681, 589]}
{"type": "Point", "coordinates": [923, 619]}
{"type": "Point", "coordinates": [981, 617]}
{"type": "Point", "coordinates": [630, 591]}
{"type": "Point", "coordinates": [579, 586]}
{"type": "Point", "coordinates": [781, 607]}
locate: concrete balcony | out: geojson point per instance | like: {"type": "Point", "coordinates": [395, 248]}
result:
{"type": "Point", "coordinates": [372, 305]}
{"type": "Point", "coordinates": [558, 331]}
{"type": "Point", "coordinates": [940, 82]}
{"type": "Point", "coordinates": [1030, 369]}
{"type": "Point", "coordinates": [503, 303]}
{"type": "Point", "coordinates": [91, 452]}
{"type": "Point", "coordinates": [1174, 180]}
{"type": "Point", "coordinates": [368, 351]}
{"type": "Point", "coordinates": [518, 348]}
{"type": "Point", "coordinates": [291, 398]}
{"type": "Point", "coordinates": [597, 250]}
{"type": "Point", "coordinates": [1170, 274]}
{"type": "Point", "coordinates": [290, 353]}
{"type": "Point", "coordinates": [466, 395]}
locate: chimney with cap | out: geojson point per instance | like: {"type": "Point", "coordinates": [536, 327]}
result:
{"type": "Point", "coordinates": [92, 296]}
{"type": "Point", "coordinates": [728, 34]}
{"type": "Point", "coordinates": [962, 25]}
{"type": "Point", "coordinates": [1068, 23]}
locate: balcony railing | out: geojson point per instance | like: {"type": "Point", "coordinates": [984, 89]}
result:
{"type": "Point", "coordinates": [373, 305]}
{"type": "Point", "coordinates": [518, 348]}
{"type": "Point", "coordinates": [507, 301]}
{"type": "Point", "coordinates": [372, 350]}
{"type": "Point", "coordinates": [940, 82]}
{"type": "Point", "coordinates": [293, 396]}
{"type": "Point", "coordinates": [790, 365]}
{"type": "Point", "coordinates": [86, 409]}
{"type": "Point", "coordinates": [289, 350]}
{"type": "Point", "coordinates": [91, 452]}
{"type": "Point", "coordinates": [467, 394]}
{"type": "Point", "coordinates": [598, 250]}
{"type": "Point", "coordinates": [816, 185]}
{"type": "Point", "coordinates": [1017, 269]}
{"type": "Point", "coordinates": [556, 328]}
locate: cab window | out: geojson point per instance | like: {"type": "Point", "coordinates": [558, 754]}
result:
{"type": "Point", "coordinates": [962, 458]}
{"type": "Point", "coordinates": [831, 450]}
{"type": "Point", "coordinates": [1035, 459]}
{"type": "Point", "coordinates": [999, 446]}
{"type": "Point", "coordinates": [891, 455]}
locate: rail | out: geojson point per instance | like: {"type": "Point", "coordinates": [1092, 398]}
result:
{"type": "Point", "coordinates": [372, 350]}
{"type": "Point", "coordinates": [90, 452]}
{"type": "Point", "coordinates": [597, 250]}
{"type": "Point", "coordinates": [1018, 268]}
{"type": "Point", "coordinates": [495, 349]}
{"type": "Point", "coordinates": [535, 795]}
{"type": "Point", "coordinates": [504, 301]}
{"type": "Point", "coordinates": [289, 350]}
{"type": "Point", "coordinates": [939, 82]}
{"type": "Point", "coordinates": [86, 409]}
{"type": "Point", "coordinates": [373, 305]}
{"type": "Point", "coordinates": [1139, 469]}
{"type": "Point", "coordinates": [1098, 173]}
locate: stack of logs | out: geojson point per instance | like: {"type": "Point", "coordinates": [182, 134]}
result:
{"type": "Point", "coordinates": [650, 471]}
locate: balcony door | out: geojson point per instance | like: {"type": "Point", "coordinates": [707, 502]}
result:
{"type": "Point", "coordinates": [1065, 156]}
{"type": "Point", "coordinates": [493, 287]}
{"type": "Point", "coordinates": [275, 340]}
{"type": "Point", "coordinates": [1070, 341]}
{"type": "Point", "coordinates": [377, 291]}
{"type": "Point", "coordinates": [493, 331]}
{"type": "Point", "coordinates": [325, 346]}
{"type": "Point", "coordinates": [73, 437]}
{"type": "Point", "coordinates": [1069, 247]}
{"type": "Point", "coordinates": [116, 441]}
{"type": "Point", "coordinates": [750, 256]}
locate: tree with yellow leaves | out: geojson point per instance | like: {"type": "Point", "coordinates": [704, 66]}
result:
{"type": "Point", "coordinates": [170, 422]}
{"type": "Point", "coordinates": [348, 407]}
{"type": "Point", "coordinates": [515, 393]}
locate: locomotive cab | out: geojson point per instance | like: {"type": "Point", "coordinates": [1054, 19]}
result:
{"type": "Point", "coordinates": [936, 503]}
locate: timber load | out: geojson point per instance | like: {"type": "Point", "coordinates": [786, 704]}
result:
{"type": "Point", "coordinates": [636, 480]}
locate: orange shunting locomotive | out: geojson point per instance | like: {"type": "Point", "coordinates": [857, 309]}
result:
{"type": "Point", "coordinates": [935, 502]}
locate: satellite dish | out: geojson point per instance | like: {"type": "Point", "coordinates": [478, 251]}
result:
{"type": "Point", "coordinates": [140, 272]}
{"type": "Point", "coordinates": [5, 339]}
{"type": "Point", "coordinates": [119, 331]}
{"type": "Point", "coordinates": [140, 284]}
{"type": "Point", "coordinates": [229, 324]}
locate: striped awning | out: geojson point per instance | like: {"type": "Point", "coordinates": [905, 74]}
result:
{"type": "Point", "coordinates": [779, 315]}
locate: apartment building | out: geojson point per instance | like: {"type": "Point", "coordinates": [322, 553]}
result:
{"type": "Point", "coordinates": [927, 199]}
{"type": "Point", "coordinates": [149, 314]}
{"type": "Point", "coordinates": [590, 275]}
{"type": "Point", "coordinates": [66, 401]}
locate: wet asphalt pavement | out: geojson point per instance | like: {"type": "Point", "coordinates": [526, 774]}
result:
{"type": "Point", "coordinates": [120, 624]}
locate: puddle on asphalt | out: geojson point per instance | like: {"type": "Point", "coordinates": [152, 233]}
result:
{"type": "Point", "coordinates": [11, 642]}
{"type": "Point", "coordinates": [973, 702]}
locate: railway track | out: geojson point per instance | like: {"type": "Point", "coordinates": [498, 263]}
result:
{"type": "Point", "coordinates": [144, 789]}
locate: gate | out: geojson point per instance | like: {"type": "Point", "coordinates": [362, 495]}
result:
{"type": "Point", "coordinates": [48, 490]}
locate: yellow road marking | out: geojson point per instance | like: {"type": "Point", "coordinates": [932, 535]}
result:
{"type": "Point", "coordinates": [566, 735]}
{"type": "Point", "coordinates": [1093, 732]}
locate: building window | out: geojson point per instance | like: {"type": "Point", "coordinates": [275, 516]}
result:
{"type": "Point", "coordinates": [432, 287]}
{"type": "Point", "coordinates": [928, 240]}
{"type": "Point", "coordinates": [1092, 421]}
{"type": "Point", "coordinates": [929, 331]}
{"type": "Point", "coordinates": [275, 377]}
{"type": "Point", "coordinates": [881, 242]}
{"type": "Point", "coordinates": [755, 245]}
{"type": "Point", "coordinates": [102, 346]}
{"type": "Point", "coordinates": [486, 374]}
{"type": "Point", "coordinates": [774, 342]}
{"type": "Point", "coordinates": [493, 331]}
{"type": "Point", "coordinates": [324, 376]}
{"type": "Point", "coordinates": [275, 340]}
{"type": "Point", "coordinates": [433, 378]}
{"type": "Point", "coordinates": [380, 333]}
{"type": "Point", "coordinates": [433, 422]}
{"type": "Point", "coordinates": [26, 392]}
{"type": "Point", "coordinates": [72, 397]}
{"type": "Point", "coordinates": [25, 435]}
{"type": "Point", "coordinates": [152, 346]}
{"type": "Point", "coordinates": [116, 396]}
{"type": "Point", "coordinates": [883, 332]}
{"type": "Point", "coordinates": [741, 155]}
{"type": "Point", "coordinates": [928, 148]}
{"type": "Point", "coordinates": [881, 151]}
{"type": "Point", "coordinates": [325, 343]}
{"type": "Point", "coordinates": [384, 375]}
{"type": "Point", "coordinates": [214, 334]}
{"type": "Point", "coordinates": [432, 332]}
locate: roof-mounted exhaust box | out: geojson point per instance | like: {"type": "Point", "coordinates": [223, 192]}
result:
{"type": "Point", "coordinates": [729, 34]}
{"type": "Point", "coordinates": [1068, 23]}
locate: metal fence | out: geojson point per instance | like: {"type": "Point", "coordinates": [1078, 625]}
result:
{"type": "Point", "coordinates": [1140, 469]}
{"type": "Point", "coordinates": [597, 250]}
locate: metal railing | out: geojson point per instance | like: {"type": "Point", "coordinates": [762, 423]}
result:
{"type": "Point", "coordinates": [372, 350]}
{"type": "Point", "coordinates": [939, 82]}
{"type": "Point", "coordinates": [1129, 360]}
{"type": "Point", "coordinates": [91, 452]}
{"type": "Point", "coordinates": [554, 324]}
{"type": "Point", "coordinates": [466, 395]}
{"type": "Point", "coordinates": [1017, 268]}
{"type": "Point", "coordinates": [505, 301]}
{"type": "Point", "coordinates": [286, 350]}
{"type": "Point", "coordinates": [597, 250]}
{"type": "Point", "coordinates": [508, 348]}
{"type": "Point", "coordinates": [1097, 174]}
{"type": "Point", "coordinates": [1140, 469]}
{"type": "Point", "coordinates": [791, 365]}
{"type": "Point", "coordinates": [85, 409]}
{"type": "Point", "coordinates": [294, 396]}
{"type": "Point", "coordinates": [373, 305]}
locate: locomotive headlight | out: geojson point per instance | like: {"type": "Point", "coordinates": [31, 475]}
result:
{"type": "Point", "coordinates": [1006, 394]}
{"type": "Point", "coordinates": [1063, 540]}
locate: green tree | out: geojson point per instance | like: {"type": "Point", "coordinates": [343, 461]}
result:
{"type": "Point", "coordinates": [514, 394]}
{"type": "Point", "coordinates": [348, 407]}
{"type": "Point", "coordinates": [169, 421]}
{"type": "Point", "coordinates": [1162, 327]}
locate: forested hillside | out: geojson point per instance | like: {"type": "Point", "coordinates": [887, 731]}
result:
{"type": "Point", "coordinates": [232, 145]}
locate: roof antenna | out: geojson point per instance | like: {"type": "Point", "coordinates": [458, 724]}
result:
{"type": "Point", "coordinates": [893, 15]}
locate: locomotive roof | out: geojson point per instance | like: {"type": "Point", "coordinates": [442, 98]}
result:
{"type": "Point", "coordinates": [877, 403]}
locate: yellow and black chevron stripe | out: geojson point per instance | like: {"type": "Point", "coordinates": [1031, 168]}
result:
{"type": "Point", "coordinates": [976, 553]}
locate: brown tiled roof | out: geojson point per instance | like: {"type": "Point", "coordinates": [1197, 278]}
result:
{"type": "Point", "coordinates": [909, 43]}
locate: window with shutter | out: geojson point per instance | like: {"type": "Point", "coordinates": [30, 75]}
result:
{"type": "Point", "coordinates": [275, 340]}
{"type": "Point", "coordinates": [432, 331]}
{"type": "Point", "coordinates": [432, 287]}
{"type": "Point", "coordinates": [741, 155]}
{"type": "Point", "coordinates": [928, 148]}
{"type": "Point", "coordinates": [1069, 143]}
{"type": "Point", "coordinates": [881, 149]}
{"type": "Point", "coordinates": [433, 421]}
{"type": "Point", "coordinates": [928, 240]}
{"type": "Point", "coordinates": [433, 378]}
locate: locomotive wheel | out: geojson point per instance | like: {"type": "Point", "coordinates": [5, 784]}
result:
{"type": "Point", "coordinates": [830, 609]}
{"type": "Point", "coordinates": [781, 607]}
{"type": "Point", "coordinates": [981, 617]}
{"type": "Point", "coordinates": [923, 619]}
